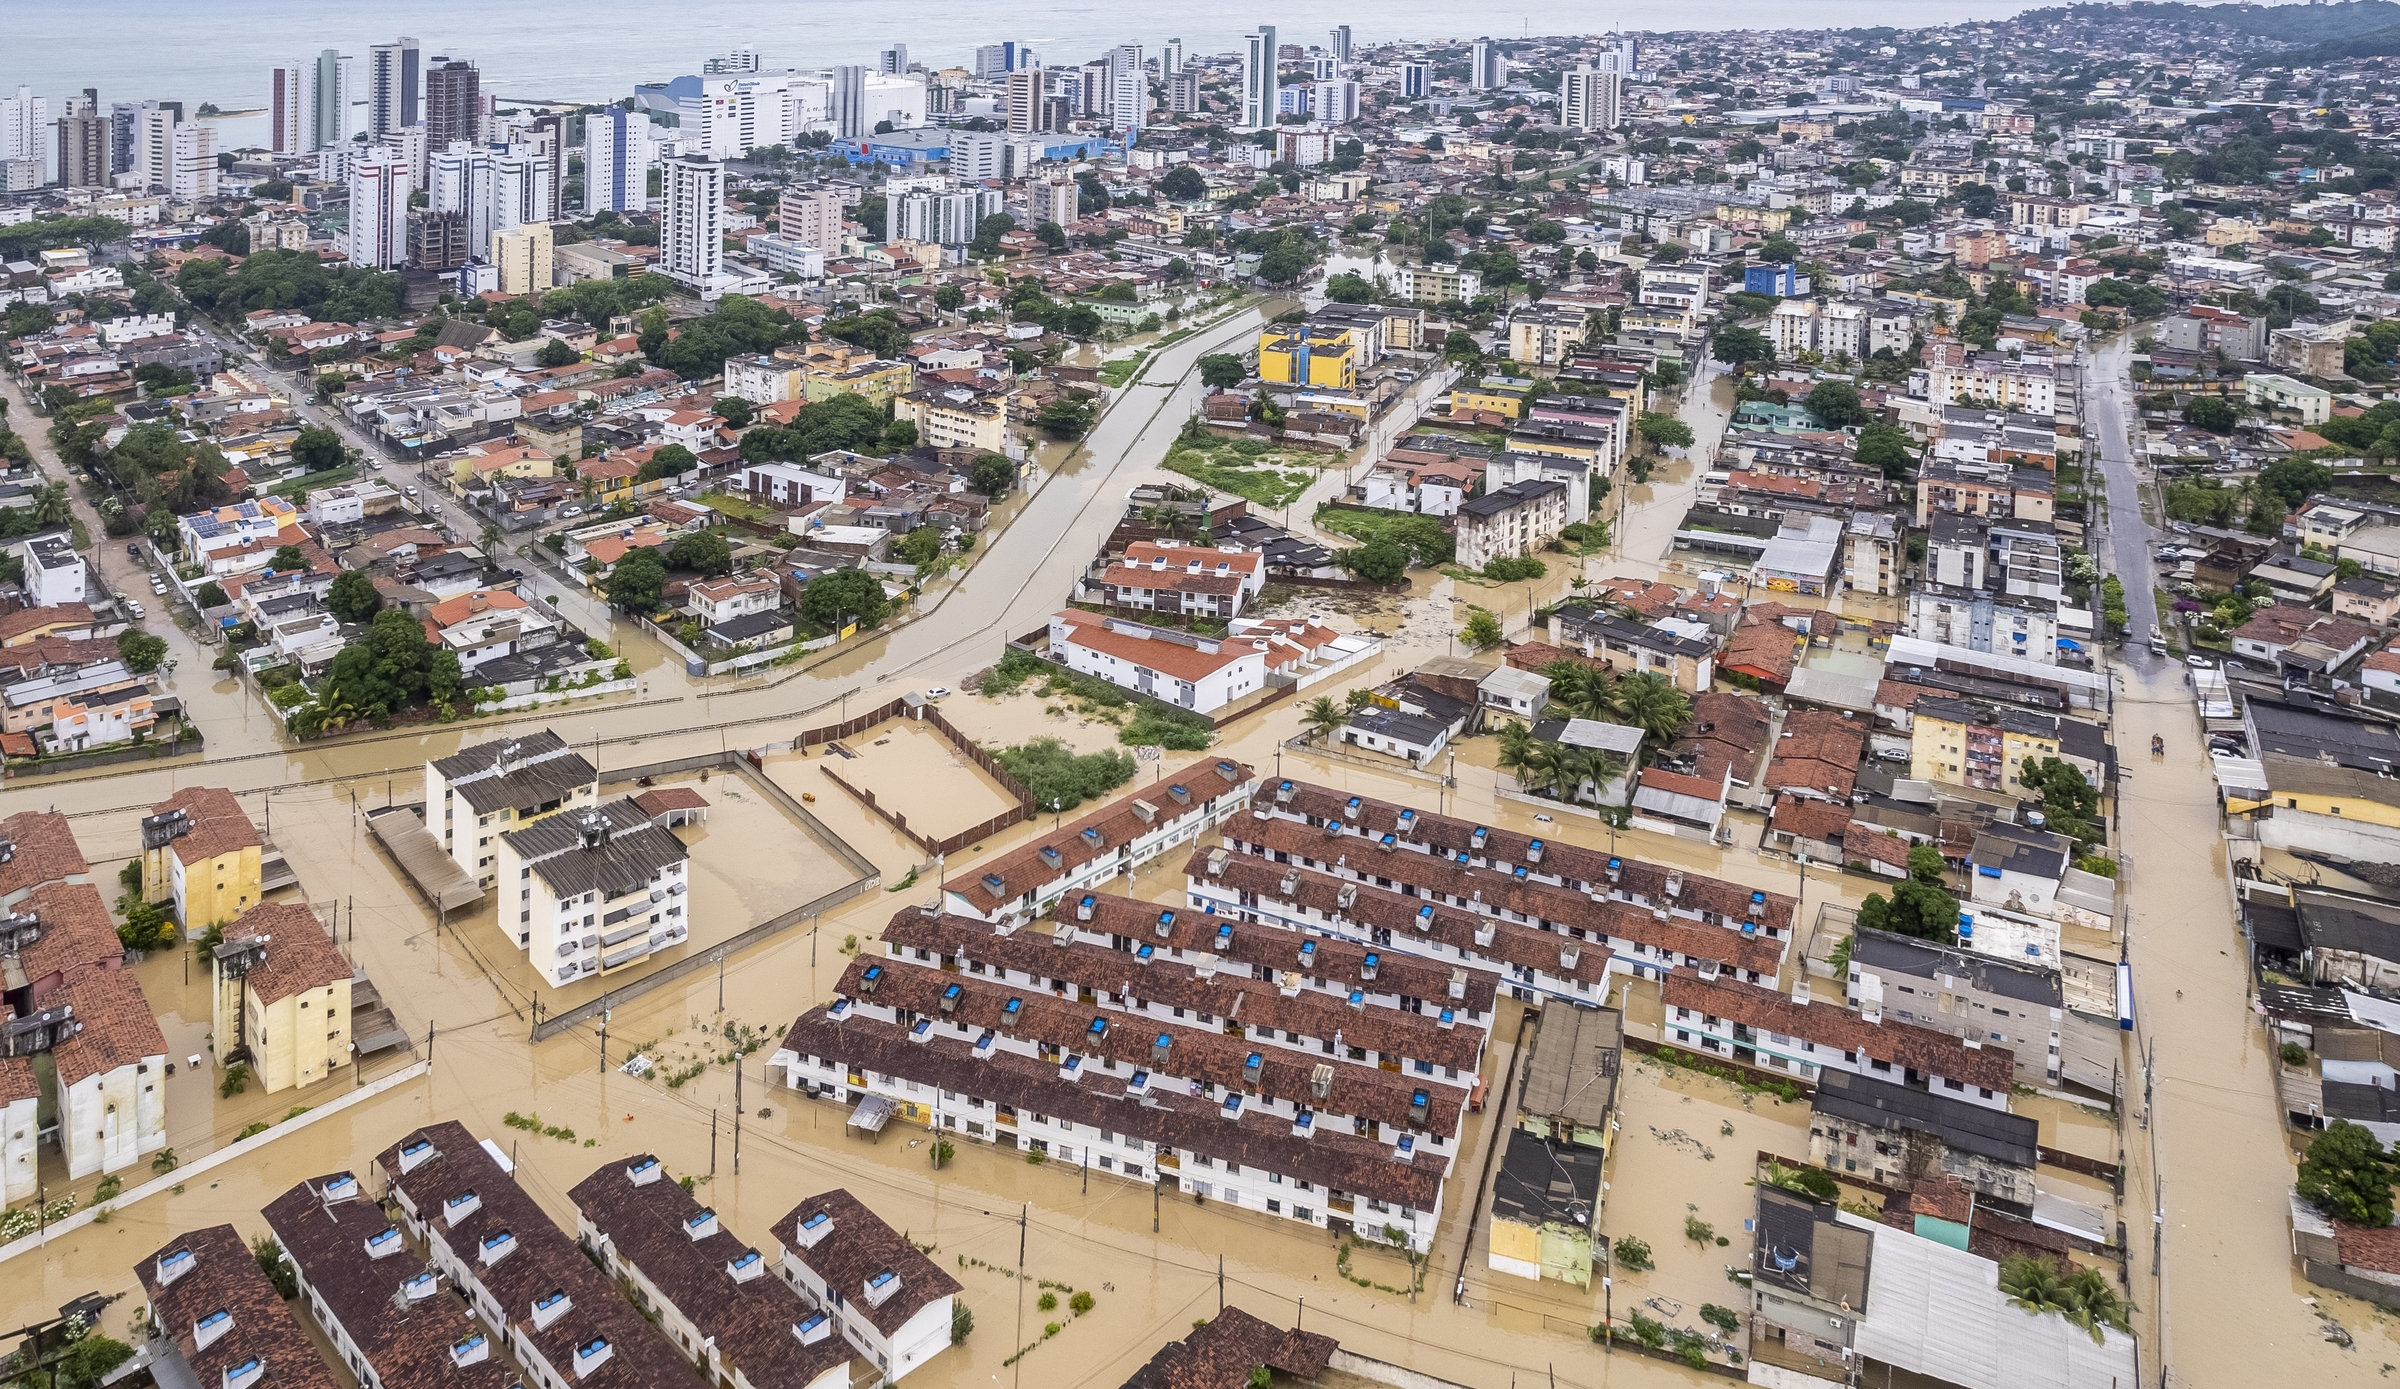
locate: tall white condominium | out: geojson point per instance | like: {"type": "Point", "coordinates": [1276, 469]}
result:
{"type": "Point", "coordinates": [812, 217]}
{"type": "Point", "coordinates": [1623, 57]}
{"type": "Point", "coordinates": [950, 218]}
{"type": "Point", "coordinates": [1341, 44]}
{"type": "Point", "coordinates": [617, 155]}
{"type": "Point", "coordinates": [192, 170]}
{"type": "Point", "coordinates": [1128, 87]}
{"type": "Point", "coordinates": [1588, 99]}
{"type": "Point", "coordinates": [291, 125]}
{"type": "Point", "coordinates": [462, 177]}
{"type": "Point", "coordinates": [24, 125]}
{"type": "Point", "coordinates": [1258, 79]}
{"type": "Point", "coordinates": [691, 232]}
{"type": "Point", "coordinates": [1336, 102]}
{"type": "Point", "coordinates": [392, 86]}
{"type": "Point", "coordinates": [1487, 71]}
{"type": "Point", "coordinates": [524, 187]}
{"type": "Point", "coordinates": [333, 98]}
{"type": "Point", "coordinates": [154, 142]}
{"type": "Point", "coordinates": [378, 209]}
{"type": "Point", "coordinates": [1170, 58]}
{"type": "Point", "coordinates": [850, 101]}
{"type": "Point", "coordinates": [1414, 74]}
{"type": "Point", "coordinates": [895, 60]}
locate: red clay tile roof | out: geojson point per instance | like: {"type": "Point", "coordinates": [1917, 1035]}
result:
{"type": "Point", "coordinates": [77, 935]}
{"type": "Point", "coordinates": [43, 850]}
{"type": "Point", "coordinates": [658, 801]}
{"type": "Point", "coordinates": [1103, 832]}
{"type": "Point", "coordinates": [300, 956]}
{"type": "Point", "coordinates": [1920, 1049]}
{"type": "Point", "coordinates": [1810, 818]}
{"type": "Point", "coordinates": [218, 824]}
{"type": "Point", "coordinates": [1222, 1354]}
{"type": "Point", "coordinates": [115, 1027]}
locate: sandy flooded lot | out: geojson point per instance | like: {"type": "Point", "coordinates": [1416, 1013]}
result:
{"type": "Point", "coordinates": [914, 772]}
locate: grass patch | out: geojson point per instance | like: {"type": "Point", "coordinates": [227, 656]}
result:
{"type": "Point", "coordinates": [1062, 780]}
{"type": "Point", "coordinates": [740, 508]}
{"type": "Point", "coordinates": [291, 491]}
{"type": "Point", "coordinates": [1252, 479]}
{"type": "Point", "coordinates": [1421, 536]}
{"type": "Point", "coordinates": [1123, 369]}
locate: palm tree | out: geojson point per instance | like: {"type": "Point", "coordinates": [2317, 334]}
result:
{"type": "Point", "coordinates": [2034, 1285]}
{"type": "Point", "coordinates": [1519, 754]}
{"type": "Point", "coordinates": [50, 505]}
{"type": "Point", "coordinates": [1578, 690]}
{"type": "Point", "coordinates": [1322, 716]}
{"type": "Point", "coordinates": [1165, 516]}
{"type": "Point", "coordinates": [1650, 702]}
{"type": "Point", "coordinates": [2101, 1304]}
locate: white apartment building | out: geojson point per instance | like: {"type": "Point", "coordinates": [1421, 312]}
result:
{"type": "Point", "coordinates": [1259, 77]}
{"type": "Point", "coordinates": [1590, 99]}
{"type": "Point", "coordinates": [54, 572]}
{"type": "Point", "coordinates": [379, 189]}
{"type": "Point", "coordinates": [596, 889]}
{"type": "Point", "coordinates": [691, 240]}
{"type": "Point", "coordinates": [24, 125]}
{"type": "Point", "coordinates": [478, 792]}
{"type": "Point", "coordinates": [112, 1107]}
{"type": "Point", "coordinates": [1512, 522]}
{"type": "Point", "coordinates": [618, 154]}
{"type": "Point", "coordinates": [948, 217]}
{"type": "Point", "coordinates": [812, 217]}
{"type": "Point", "coordinates": [893, 1304]}
{"type": "Point", "coordinates": [1203, 674]}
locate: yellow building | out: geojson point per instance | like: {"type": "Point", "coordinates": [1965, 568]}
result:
{"type": "Point", "coordinates": [878, 380]}
{"type": "Point", "coordinates": [1546, 1198]}
{"type": "Point", "coordinates": [975, 422]}
{"type": "Point", "coordinates": [282, 1001]}
{"type": "Point", "coordinates": [200, 851]}
{"type": "Point", "coordinates": [1962, 743]}
{"type": "Point", "coordinates": [524, 258]}
{"type": "Point", "coordinates": [1321, 356]}
{"type": "Point", "coordinates": [1494, 399]}
{"type": "Point", "coordinates": [479, 469]}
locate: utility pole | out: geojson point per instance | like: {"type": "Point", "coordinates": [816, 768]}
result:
{"type": "Point", "coordinates": [604, 1034]}
{"type": "Point", "coordinates": [1220, 1285]}
{"type": "Point", "coordinates": [429, 1048]}
{"type": "Point", "coordinates": [737, 1114]}
{"type": "Point", "coordinates": [1017, 1371]}
{"type": "Point", "coordinates": [712, 1142]}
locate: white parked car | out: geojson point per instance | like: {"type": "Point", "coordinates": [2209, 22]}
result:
{"type": "Point", "coordinates": [938, 692]}
{"type": "Point", "coordinates": [566, 511]}
{"type": "Point", "coordinates": [135, 609]}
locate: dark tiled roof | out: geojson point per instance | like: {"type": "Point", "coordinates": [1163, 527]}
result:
{"type": "Point", "coordinates": [408, 1346]}
{"type": "Point", "coordinates": [860, 1247]}
{"type": "Point", "coordinates": [634, 852]}
{"type": "Point", "coordinates": [543, 1260]}
{"type": "Point", "coordinates": [1104, 831]}
{"type": "Point", "coordinates": [1920, 1049]}
{"type": "Point", "coordinates": [225, 1277]}
{"type": "Point", "coordinates": [750, 1318]}
{"type": "Point", "coordinates": [76, 934]}
{"type": "Point", "coordinates": [541, 769]}
{"type": "Point", "coordinates": [1222, 1354]}
{"type": "Point", "coordinates": [1188, 1125]}
{"type": "Point", "coordinates": [216, 825]}
{"type": "Point", "coordinates": [1970, 1128]}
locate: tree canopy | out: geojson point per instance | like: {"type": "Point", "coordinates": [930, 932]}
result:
{"type": "Point", "coordinates": [698, 347]}
{"type": "Point", "coordinates": [1921, 906]}
{"type": "Point", "coordinates": [278, 279]}
{"type": "Point", "coordinates": [845, 595]}
{"type": "Point", "coordinates": [847, 421]}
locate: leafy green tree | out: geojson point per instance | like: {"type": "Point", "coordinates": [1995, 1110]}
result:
{"type": "Point", "coordinates": [1219, 370]}
{"type": "Point", "coordinates": [638, 583]}
{"type": "Point", "coordinates": [1662, 430]}
{"type": "Point", "coordinates": [209, 595]}
{"type": "Point", "coordinates": [880, 331]}
{"type": "Point", "coordinates": [1379, 561]}
{"type": "Point", "coordinates": [1837, 404]}
{"type": "Point", "coordinates": [949, 298]}
{"type": "Point", "coordinates": [899, 436]}
{"type": "Point", "coordinates": [667, 460]}
{"type": "Point", "coordinates": [1183, 184]}
{"type": "Point", "coordinates": [1060, 779]}
{"type": "Point", "coordinates": [1322, 717]}
{"type": "Point", "coordinates": [1883, 447]}
{"type": "Point", "coordinates": [353, 597]}
{"type": "Point", "coordinates": [2294, 480]}
{"type": "Point", "coordinates": [318, 449]}
{"type": "Point", "coordinates": [847, 421]}
{"type": "Point", "coordinates": [1482, 631]}
{"type": "Point", "coordinates": [1067, 417]}
{"type": "Point", "coordinates": [1739, 346]}
{"type": "Point", "coordinates": [851, 595]}
{"type": "Point", "coordinates": [2070, 804]}
{"type": "Point", "coordinates": [1350, 287]}
{"type": "Point", "coordinates": [740, 327]}
{"type": "Point", "coordinates": [703, 552]}
{"type": "Point", "coordinates": [556, 353]}
{"type": "Point", "coordinates": [1920, 906]}
{"type": "Point", "coordinates": [992, 474]}
{"type": "Point", "coordinates": [2347, 1174]}
{"type": "Point", "coordinates": [140, 651]}
{"type": "Point", "coordinates": [287, 558]}
{"type": "Point", "coordinates": [2213, 413]}
{"type": "Point", "coordinates": [1650, 702]}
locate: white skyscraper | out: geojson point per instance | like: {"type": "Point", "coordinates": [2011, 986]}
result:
{"type": "Point", "coordinates": [1588, 99]}
{"type": "Point", "coordinates": [1258, 79]}
{"type": "Point", "coordinates": [950, 218]}
{"type": "Point", "coordinates": [691, 231]}
{"type": "Point", "coordinates": [524, 187]}
{"type": "Point", "coordinates": [1128, 87]}
{"type": "Point", "coordinates": [850, 102]}
{"type": "Point", "coordinates": [378, 209]}
{"type": "Point", "coordinates": [290, 125]}
{"type": "Point", "coordinates": [153, 160]}
{"type": "Point", "coordinates": [895, 60]}
{"type": "Point", "coordinates": [462, 178]}
{"type": "Point", "coordinates": [24, 125]}
{"type": "Point", "coordinates": [335, 101]}
{"type": "Point", "coordinates": [1414, 76]}
{"type": "Point", "coordinates": [1170, 58]}
{"type": "Point", "coordinates": [1336, 102]}
{"type": "Point", "coordinates": [192, 167]}
{"type": "Point", "coordinates": [617, 155]}
{"type": "Point", "coordinates": [1341, 44]}
{"type": "Point", "coordinates": [1623, 57]}
{"type": "Point", "coordinates": [392, 87]}
{"type": "Point", "coordinates": [1487, 71]}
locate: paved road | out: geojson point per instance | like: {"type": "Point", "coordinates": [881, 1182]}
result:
{"type": "Point", "coordinates": [2130, 541]}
